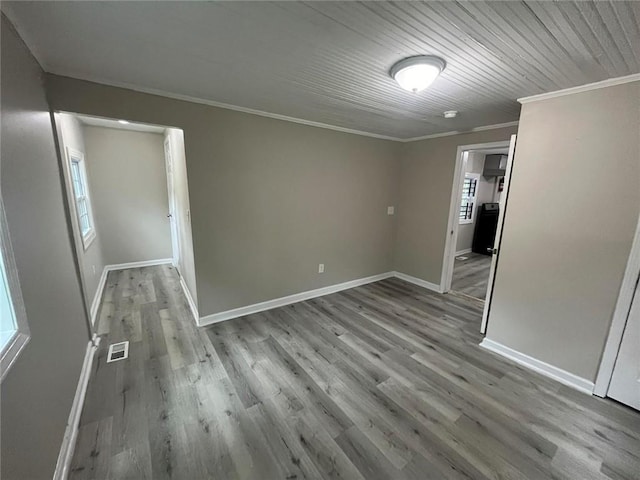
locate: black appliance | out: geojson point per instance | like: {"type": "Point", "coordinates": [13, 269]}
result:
{"type": "Point", "coordinates": [485, 232]}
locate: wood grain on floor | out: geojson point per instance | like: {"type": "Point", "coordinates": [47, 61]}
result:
{"type": "Point", "coordinates": [471, 275]}
{"type": "Point", "coordinates": [384, 381]}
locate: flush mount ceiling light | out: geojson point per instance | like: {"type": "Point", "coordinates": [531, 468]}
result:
{"type": "Point", "coordinates": [417, 73]}
{"type": "Point", "coordinates": [450, 114]}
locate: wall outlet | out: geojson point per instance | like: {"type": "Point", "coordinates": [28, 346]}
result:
{"type": "Point", "coordinates": [321, 268]}
{"type": "Point", "coordinates": [391, 210]}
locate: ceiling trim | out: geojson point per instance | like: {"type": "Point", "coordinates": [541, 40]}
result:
{"type": "Point", "coordinates": [226, 106]}
{"type": "Point", "coordinates": [610, 82]}
{"type": "Point", "coordinates": [460, 132]}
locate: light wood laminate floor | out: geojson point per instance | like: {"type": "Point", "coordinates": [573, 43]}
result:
{"type": "Point", "coordinates": [384, 381]}
{"type": "Point", "coordinates": [471, 276]}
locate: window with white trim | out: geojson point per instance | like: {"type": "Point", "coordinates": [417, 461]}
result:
{"type": "Point", "coordinates": [469, 197]}
{"type": "Point", "coordinates": [14, 331]}
{"type": "Point", "coordinates": [81, 198]}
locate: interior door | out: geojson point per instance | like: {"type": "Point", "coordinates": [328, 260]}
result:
{"type": "Point", "coordinates": [173, 214]}
{"type": "Point", "coordinates": [496, 244]}
{"type": "Point", "coordinates": [625, 381]}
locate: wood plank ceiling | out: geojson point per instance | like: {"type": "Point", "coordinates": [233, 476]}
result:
{"type": "Point", "coordinates": [328, 62]}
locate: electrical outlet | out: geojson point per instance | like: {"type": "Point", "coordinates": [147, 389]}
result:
{"type": "Point", "coordinates": [321, 268]}
{"type": "Point", "coordinates": [391, 210]}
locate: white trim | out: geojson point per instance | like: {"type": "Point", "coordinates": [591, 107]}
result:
{"type": "Point", "coordinates": [495, 257]}
{"type": "Point", "coordinates": [462, 252]}
{"type": "Point", "coordinates": [418, 281]}
{"type": "Point", "coordinates": [620, 315]}
{"type": "Point", "coordinates": [144, 263]}
{"type": "Point", "coordinates": [610, 82]}
{"type": "Point", "coordinates": [454, 208]}
{"type": "Point", "coordinates": [71, 432]}
{"type": "Point", "coordinates": [76, 156]}
{"type": "Point", "coordinates": [20, 335]}
{"type": "Point", "coordinates": [262, 113]}
{"type": "Point", "coordinates": [192, 304]}
{"type": "Point", "coordinates": [97, 297]}
{"type": "Point", "coordinates": [289, 299]}
{"type": "Point", "coordinates": [562, 376]}
{"type": "Point", "coordinates": [459, 132]}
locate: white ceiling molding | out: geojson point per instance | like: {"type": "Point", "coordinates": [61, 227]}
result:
{"type": "Point", "coordinates": [460, 132]}
{"type": "Point", "coordinates": [211, 103]}
{"type": "Point", "coordinates": [186, 98]}
{"type": "Point", "coordinates": [582, 88]}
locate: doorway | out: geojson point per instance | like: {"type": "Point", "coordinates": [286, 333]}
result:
{"type": "Point", "coordinates": [478, 201]}
{"type": "Point", "coordinates": [619, 373]}
{"type": "Point", "coordinates": [127, 193]}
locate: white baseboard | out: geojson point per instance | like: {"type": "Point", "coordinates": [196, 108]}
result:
{"type": "Point", "coordinates": [145, 263]}
{"type": "Point", "coordinates": [288, 300]}
{"type": "Point", "coordinates": [71, 432]}
{"type": "Point", "coordinates": [562, 376]}
{"type": "Point", "coordinates": [418, 281]}
{"type": "Point", "coordinates": [95, 304]}
{"type": "Point", "coordinates": [192, 304]}
{"type": "Point", "coordinates": [463, 252]}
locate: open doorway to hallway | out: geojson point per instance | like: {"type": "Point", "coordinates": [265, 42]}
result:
{"type": "Point", "coordinates": [127, 193]}
{"type": "Point", "coordinates": [482, 186]}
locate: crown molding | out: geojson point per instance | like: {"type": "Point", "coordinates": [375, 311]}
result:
{"type": "Point", "coordinates": [276, 116]}
{"type": "Point", "coordinates": [610, 82]}
{"type": "Point", "coordinates": [212, 103]}
{"type": "Point", "coordinates": [460, 132]}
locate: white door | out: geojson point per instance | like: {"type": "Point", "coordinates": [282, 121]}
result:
{"type": "Point", "coordinates": [625, 381]}
{"type": "Point", "coordinates": [173, 214]}
{"type": "Point", "coordinates": [498, 239]}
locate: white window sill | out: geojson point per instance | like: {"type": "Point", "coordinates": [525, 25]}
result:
{"type": "Point", "coordinates": [88, 239]}
{"type": "Point", "coordinates": [13, 342]}
{"type": "Point", "coordinates": [465, 222]}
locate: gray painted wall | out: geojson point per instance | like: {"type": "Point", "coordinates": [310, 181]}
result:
{"type": "Point", "coordinates": [561, 267]}
{"type": "Point", "coordinates": [38, 391]}
{"type": "Point", "coordinates": [270, 200]}
{"type": "Point", "coordinates": [128, 183]}
{"type": "Point", "coordinates": [424, 195]}
{"type": "Point", "coordinates": [91, 260]}
{"type": "Point", "coordinates": [183, 209]}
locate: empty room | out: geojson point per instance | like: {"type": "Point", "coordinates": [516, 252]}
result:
{"type": "Point", "coordinates": [285, 240]}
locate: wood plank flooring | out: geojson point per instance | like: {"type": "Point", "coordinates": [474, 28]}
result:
{"type": "Point", "coordinates": [384, 381]}
{"type": "Point", "coordinates": [471, 276]}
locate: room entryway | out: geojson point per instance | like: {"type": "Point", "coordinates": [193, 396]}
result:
{"type": "Point", "coordinates": [478, 202]}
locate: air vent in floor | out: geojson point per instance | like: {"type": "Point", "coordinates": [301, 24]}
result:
{"type": "Point", "coordinates": [118, 351]}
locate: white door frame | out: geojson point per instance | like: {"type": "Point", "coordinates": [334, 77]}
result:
{"type": "Point", "coordinates": [454, 208]}
{"type": "Point", "coordinates": [620, 315]}
{"type": "Point", "coordinates": [173, 214]}
{"type": "Point", "coordinates": [504, 198]}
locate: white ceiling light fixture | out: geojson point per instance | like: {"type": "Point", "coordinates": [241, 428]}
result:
{"type": "Point", "coordinates": [450, 114]}
{"type": "Point", "coordinates": [417, 73]}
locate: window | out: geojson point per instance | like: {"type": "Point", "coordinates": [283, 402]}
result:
{"type": "Point", "coordinates": [469, 195]}
{"type": "Point", "coordinates": [14, 332]}
{"type": "Point", "coordinates": [81, 196]}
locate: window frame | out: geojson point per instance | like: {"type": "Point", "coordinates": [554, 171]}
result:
{"type": "Point", "coordinates": [77, 157]}
{"type": "Point", "coordinates": [473, 199]}
{"type": "Point", "coordinates": [10, 350]}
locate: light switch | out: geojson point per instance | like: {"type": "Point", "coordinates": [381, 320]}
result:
{"type": "Point", "coordinates": [391, 210]}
